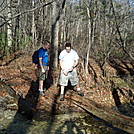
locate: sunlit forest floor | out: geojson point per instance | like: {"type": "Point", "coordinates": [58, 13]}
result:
{"type": "Point", "coordinates": [20, 73]}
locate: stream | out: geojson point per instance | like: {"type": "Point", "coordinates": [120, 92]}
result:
{"type": "Point", "coordinates": [12, 122]}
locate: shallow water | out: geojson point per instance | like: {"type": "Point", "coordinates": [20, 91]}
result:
{"type": "Point", "coordinates": [12, 122]}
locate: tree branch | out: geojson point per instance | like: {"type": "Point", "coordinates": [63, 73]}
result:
{"type": "Point", "coordinates": [31, 10]}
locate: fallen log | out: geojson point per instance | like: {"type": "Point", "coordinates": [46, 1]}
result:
{"type": "Point", "coordinates": [116, 119]}
{"type": "Point", "coordinates": [24, 106]}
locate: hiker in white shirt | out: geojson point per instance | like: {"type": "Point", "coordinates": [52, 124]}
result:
{"type": "Point", "coordinates": [68, 62]}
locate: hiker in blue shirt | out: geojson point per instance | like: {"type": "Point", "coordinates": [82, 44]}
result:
{"type": "Point", "coordinates": [43, 65]}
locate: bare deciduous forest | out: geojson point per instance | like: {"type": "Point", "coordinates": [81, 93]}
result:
{"type": "Point", "coordinates": [101, 31]}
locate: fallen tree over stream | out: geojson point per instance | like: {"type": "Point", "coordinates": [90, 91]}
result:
{"type": "Point", "coordinates": [114, 118]}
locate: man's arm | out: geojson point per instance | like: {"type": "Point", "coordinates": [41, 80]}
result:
{"type": "Point", "coordinates": [61, 65]}
{"type": "Point", "coordinates": [75, 64]}
{"type": "Point", "coordinates": [40, 61]}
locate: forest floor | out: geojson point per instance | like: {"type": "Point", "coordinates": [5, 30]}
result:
{"type": "Point", "coordinates": [19, 72]}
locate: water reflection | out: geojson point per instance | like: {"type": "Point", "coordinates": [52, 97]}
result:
{"type": "Point", "coordinates": [69, 123]}
{"type": "Point", "coordinates": [71, 127]}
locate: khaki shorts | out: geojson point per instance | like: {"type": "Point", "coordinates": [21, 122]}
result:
{"type": "Point", "coordinates": [72, 77]}
{"type": "Point", "coordinates": [41, 75]}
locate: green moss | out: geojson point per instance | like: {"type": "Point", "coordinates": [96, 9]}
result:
{"type": "Point", "coordinates": [120, 82]}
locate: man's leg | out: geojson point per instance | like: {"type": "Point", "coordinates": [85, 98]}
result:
{"type": "Point", "coordinates": [75, 81]}
{"type": "Point", "coordinates": [41, 81]}
{"type": "Point", "coordinates": [79, 90]}
{"type": "Point", "coordinates": [63, 82]}
{"type": "Point", "coordinates": [46, 81]}
{"type": "Point", "coordinates": [62, 93]}
{"type": "Point", "coordinates": [41, 87]}
{"type": "Point", "coordinates": [78, 87]}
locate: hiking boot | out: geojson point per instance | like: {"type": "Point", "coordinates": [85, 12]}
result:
{"type": "Point", "coordinates": [80, 93]}
{"type": "Point", "coordinates": [62, 99]}
{"type": "Point", "coordinates": [42, 93]}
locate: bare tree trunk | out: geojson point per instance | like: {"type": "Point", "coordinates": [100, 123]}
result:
{"type": "Point", "coordinates": [17, 32]}
{"type": "Point", "coordinates": [34, 39]}
{"type": "Point", "coordinates": [55, 31]}
{"type": "Point", "coordinates": [89, 40]}
{"type": "Point", "coordinates": [55, 26]}
{"type": "Point", "coordinates": [9, 25]}
{"type": "Point", "coordinates": [78, 27]}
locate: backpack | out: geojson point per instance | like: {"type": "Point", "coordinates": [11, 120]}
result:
{"type": "Point", "coordinates": [35, 58]}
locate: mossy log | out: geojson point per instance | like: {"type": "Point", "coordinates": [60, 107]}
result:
{"type": "Point", "coordinates": [114, 118]}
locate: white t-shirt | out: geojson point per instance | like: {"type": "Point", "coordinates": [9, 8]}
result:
{"type": "Point", "coordinates": [68, 58]}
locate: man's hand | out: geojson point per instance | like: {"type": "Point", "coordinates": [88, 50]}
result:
{"type": "Point", "coordinates": [70, 69]}
{"type": "Point", "coordinates": [43, 70]}
{"type": "Point", "coordinates": [65, 72]}
{"type": "Point", "coordinates": [48, 67]}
